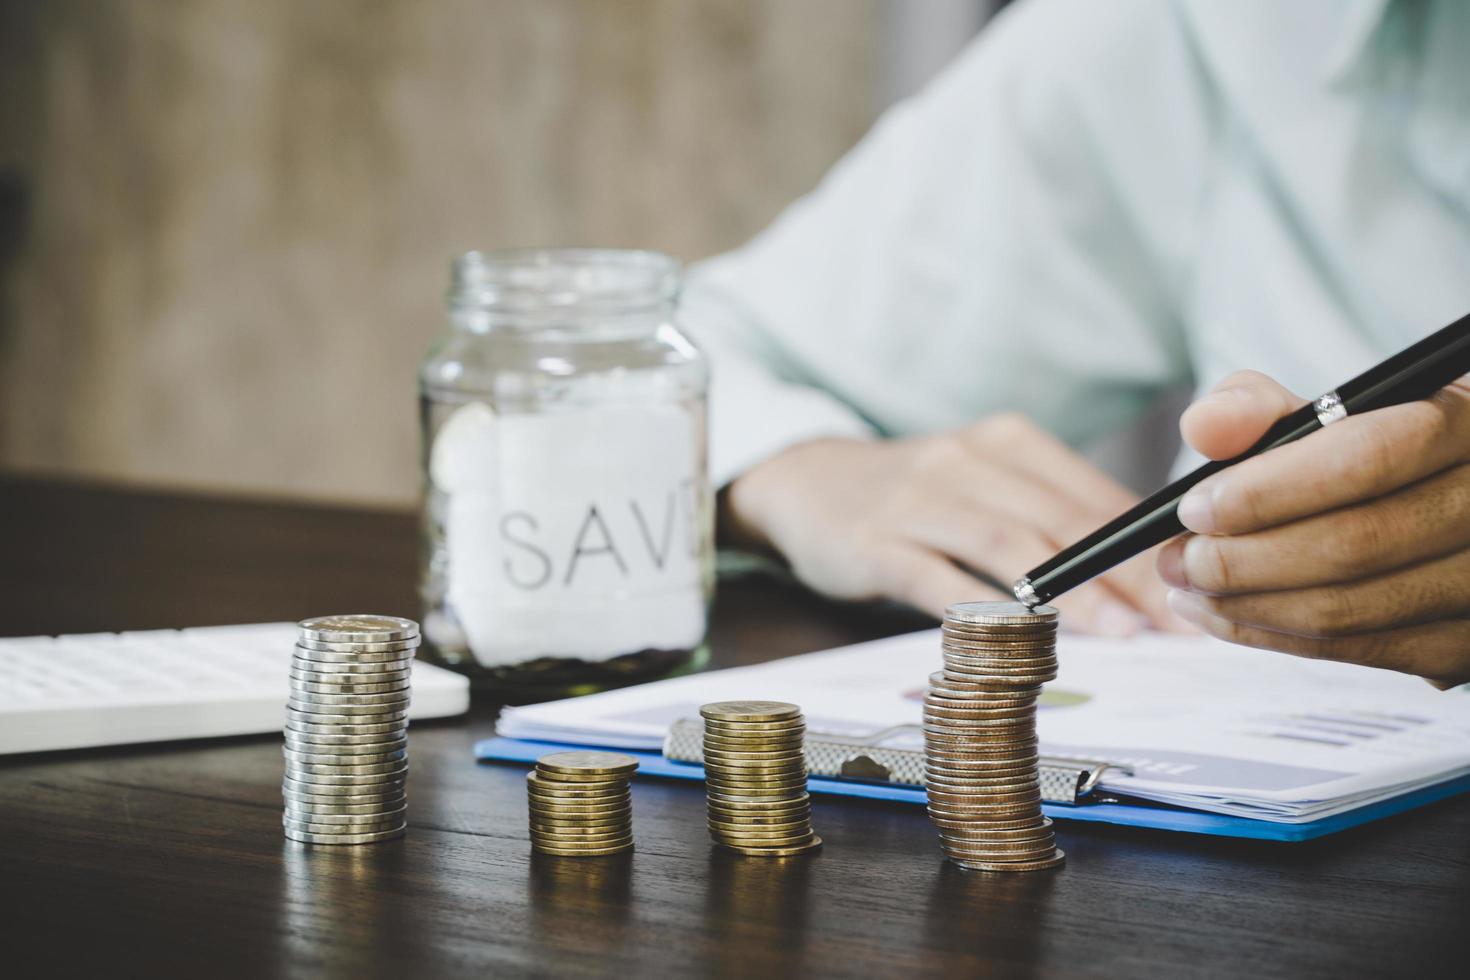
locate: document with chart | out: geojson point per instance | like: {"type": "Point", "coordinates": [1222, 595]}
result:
{"type": "Point", "coordinates": [1190, 721]}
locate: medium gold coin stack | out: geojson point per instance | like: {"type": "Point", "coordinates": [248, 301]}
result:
{"type": "Point", "coordinates": [980, 736]}
{"type": "Point", "coordinates": [755, 778]}
{"type": "Point", "coordinates": [580, 803]}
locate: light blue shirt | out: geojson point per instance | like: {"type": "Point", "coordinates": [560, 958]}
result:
{"type": "Point", "coordinates": [1101, 201]}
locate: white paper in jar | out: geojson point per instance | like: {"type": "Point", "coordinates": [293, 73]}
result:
{"type": "Point", "coordinates": [572, 534]}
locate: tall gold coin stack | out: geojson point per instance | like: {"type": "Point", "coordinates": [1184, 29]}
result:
{"type": "Point", "coordinates": [755, 778]}
{"type": "Point", "coordinates": [580, 803]}
{"type": "Point", "coordinates": [980, 736]}
{"type": "Point", "coordinates": [347, 729]}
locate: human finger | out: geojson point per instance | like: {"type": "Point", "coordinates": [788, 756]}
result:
{"type": "Point", "coordinates": [1057, 520]}
{"type": "Point", "coordinates": [1136, 580]}
{"type": "Point", "coordinates": [1426, 520]}
{"type": "Point", "coordinates": [1438, 651]}
{"type": "Point", "coordinates": [1438, 589]}
{"type": "Point", "coordinates": [995, 546]}
{"type": "Point", "coordinates": [1048, 461]}
{"type": "Point", "coordinates": [1358, 458]}
{"type": "Point", "coordinates": [927, 580]}
{"type": "Point", "coordinates": [1028, 473]}
{"type": "Point", "coordinates": [1237, 411]}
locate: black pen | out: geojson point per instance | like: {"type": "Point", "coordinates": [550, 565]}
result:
{"type": "Point", "coordinates": [1413, 373]}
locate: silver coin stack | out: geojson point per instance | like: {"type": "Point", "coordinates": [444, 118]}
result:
{"type": "Point", "coordinates": [980, 740]}
{"type": "Point", "coordinates": [347, 729]}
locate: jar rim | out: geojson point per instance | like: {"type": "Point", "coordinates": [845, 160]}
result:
{"type": "Point", "coordinates": [559, 281]}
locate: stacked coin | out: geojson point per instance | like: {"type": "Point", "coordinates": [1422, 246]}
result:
{"type": "Point", "coordinates": [347, 729]}
{"type": "Point", "coordinates": [980, 736]}
{"type": "Point", "coordinates": [580, 803]}
{"type": "Point", "coordinates": [755, 778]}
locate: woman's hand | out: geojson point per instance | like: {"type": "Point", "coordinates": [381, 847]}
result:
{"type": "Point", "coordinates": [1351, 544]}
{"type": "Point", "coordinates": [916, 519]}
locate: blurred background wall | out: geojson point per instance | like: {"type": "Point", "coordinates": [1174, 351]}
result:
{"type": "Point", "coordinates": [225, 226]}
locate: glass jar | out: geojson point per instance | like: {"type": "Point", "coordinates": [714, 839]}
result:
{"type": "Point", "coordinates": [567, 526]}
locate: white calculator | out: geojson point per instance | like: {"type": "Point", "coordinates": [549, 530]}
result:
{"type": "Point", "coordinates": [71, 692]}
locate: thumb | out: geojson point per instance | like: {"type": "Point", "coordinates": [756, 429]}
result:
{"type": "Point", "coordinates": [1235, 413]}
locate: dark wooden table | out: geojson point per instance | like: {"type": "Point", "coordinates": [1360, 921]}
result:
{"type": "Point", "coordinates": [168, 859]}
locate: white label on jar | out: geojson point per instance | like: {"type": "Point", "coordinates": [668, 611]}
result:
{"type": "Point", "coordinates": [572, 534]}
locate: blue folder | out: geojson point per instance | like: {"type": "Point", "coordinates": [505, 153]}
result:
{"type": "Point", "coordinates": [1155, 816]}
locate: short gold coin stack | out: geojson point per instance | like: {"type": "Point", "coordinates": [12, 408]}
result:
{"type": "Point", "coordinates": [580, 803]}
{"type": "Point", "coordinates": [755, 778]}
{"type": "Point", "coordinates": [980, 736]}
{"type": "Point", "coordinates": [347, 729]}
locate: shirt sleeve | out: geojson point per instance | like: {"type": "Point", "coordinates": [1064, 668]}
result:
{"type": "Point", "coordinates": [1010, 239]}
